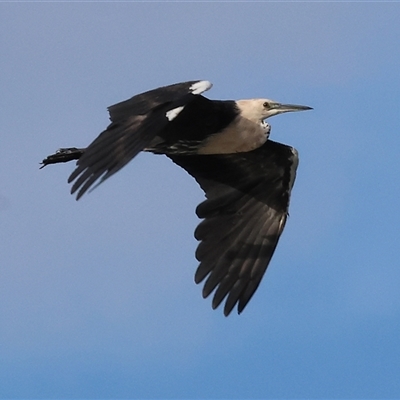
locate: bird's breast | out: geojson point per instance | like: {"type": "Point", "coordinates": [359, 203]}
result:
{"type": "Point", "coordinates": [242, 135]}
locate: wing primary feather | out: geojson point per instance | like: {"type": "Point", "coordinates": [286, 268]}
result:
{"type": "Point", "coordinates": [233, 296]}
{"type": "Point", "coordinates": [217, 262]}
{"type": "Point", "coordinates": [239, 269]}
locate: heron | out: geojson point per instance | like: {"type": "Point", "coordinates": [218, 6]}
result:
{"type": "Point", "coordinates": [224, 145]}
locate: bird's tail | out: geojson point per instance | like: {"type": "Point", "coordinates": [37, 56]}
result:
{"type": "Point", "coordinates": [63, 155]}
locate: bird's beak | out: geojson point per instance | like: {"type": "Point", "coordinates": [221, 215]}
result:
{"type": "Point", "coordinates": [283, 108]}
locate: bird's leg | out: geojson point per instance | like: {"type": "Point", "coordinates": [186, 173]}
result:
{"type": "Point", "coordinates": [63, 155]}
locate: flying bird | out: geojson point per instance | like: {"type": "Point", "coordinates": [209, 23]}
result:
{"type": "Point", "coordinates": [225, 146]}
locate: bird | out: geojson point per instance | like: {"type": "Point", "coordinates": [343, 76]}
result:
{"type": "Point", "coordinates": [224, 145]}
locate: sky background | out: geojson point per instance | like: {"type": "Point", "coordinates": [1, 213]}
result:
{"type": "Point", "coordinates": [97, 298]}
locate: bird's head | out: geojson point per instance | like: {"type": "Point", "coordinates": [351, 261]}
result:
{"type": "Point", "coordinates": [258, 110]}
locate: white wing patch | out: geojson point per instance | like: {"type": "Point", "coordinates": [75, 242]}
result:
{"type": "Point", "coordinates": [200, 87]}
{"type": "Point", "coordinates": [172, 114]}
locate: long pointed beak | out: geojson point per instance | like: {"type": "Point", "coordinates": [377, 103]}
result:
{"type": "Point", "coordinates": [282, 108]}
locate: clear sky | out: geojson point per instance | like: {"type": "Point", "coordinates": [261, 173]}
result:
{"type": "Point", "coordinates": [97, 298]}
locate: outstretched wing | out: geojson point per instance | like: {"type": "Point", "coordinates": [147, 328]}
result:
{"type": "Point", "coordinates": [134, 124]}
{"type": "Point", "coordinates": [244, 216]}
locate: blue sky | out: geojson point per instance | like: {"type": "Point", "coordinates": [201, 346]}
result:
{"type": "Point", "coordinates": [97, 298]}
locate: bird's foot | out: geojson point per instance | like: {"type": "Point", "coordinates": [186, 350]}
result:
{"type": "Point", "coordinates": [63, 155]}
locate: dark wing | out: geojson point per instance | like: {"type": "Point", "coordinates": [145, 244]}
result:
{"type": "Point", "coordinates": [134, 124]}
{"type": "Point", "coordinates": [244, 216]}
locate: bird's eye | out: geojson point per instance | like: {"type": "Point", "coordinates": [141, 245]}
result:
{"type": "Point", "coordinates": [266, 105]}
